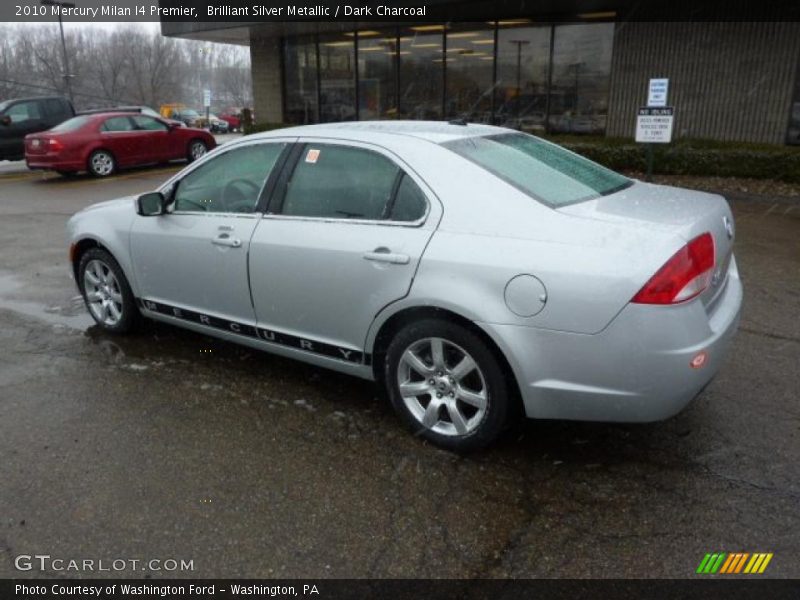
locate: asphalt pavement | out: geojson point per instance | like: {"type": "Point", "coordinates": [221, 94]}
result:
{"type": "Point", "coordinates": [171, 445]}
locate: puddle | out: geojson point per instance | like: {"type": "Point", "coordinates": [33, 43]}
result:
{"type": "Point", "coordinates": [54, 315]}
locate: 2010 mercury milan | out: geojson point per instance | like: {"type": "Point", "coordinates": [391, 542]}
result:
{"type": "Point", "coordinates": [475, 272]}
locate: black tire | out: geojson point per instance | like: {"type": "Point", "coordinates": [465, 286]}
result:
{"type": "Point", "coordinates": [101, 163]}
{"type": "Point", "coordinates": [489, 378]}
{"type": "Point", "coordinates": [130, 317]}
{"type": "Point", "coordinates": [193, 151]}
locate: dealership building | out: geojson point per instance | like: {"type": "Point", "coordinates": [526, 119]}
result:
{"type": "Point", "coordinates": [532, 66]}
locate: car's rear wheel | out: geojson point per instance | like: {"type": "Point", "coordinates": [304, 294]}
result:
{"type": "Point", "coordinates": [447, 384]}
{"type": "Point", "coordinates": [102, 163]}
{"type": "Point", "coordinates": [197, 149]}
{"type": "Point", "coordinates": [106, 292]}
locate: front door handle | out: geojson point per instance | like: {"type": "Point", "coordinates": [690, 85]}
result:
{"type": "Point", "coordinates": [385, 255]}
{"type": "Point", "coordinates": [223, 239]}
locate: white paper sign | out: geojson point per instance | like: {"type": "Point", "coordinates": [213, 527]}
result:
{"type": "Point", "coordinates": [657, 92]}
{"type": "Point", "coordinates": [654, 125]}
{"type": "Point", "coordinates": [206, 98]}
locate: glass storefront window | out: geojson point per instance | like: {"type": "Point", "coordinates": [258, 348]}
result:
{"type": "Point", "coordinates": [300, 80]}
{"type": "Point", "coordinates": [377, 74]}
{"type": "Point", "coordinates": [523, 61]}
{"type": "Point", "coordinates": [421, 72]}
{"type": "Point", "coordinates": [470, 72]}
{"type": "Point", "coordinates": [581, 70]}
{"type": "Point", "coordinates": [548, 77]}
{"type": "Point", "coordinates": [337, 78]}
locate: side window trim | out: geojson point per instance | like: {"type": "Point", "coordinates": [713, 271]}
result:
{"type": "Point", "coordinates": [273, 202]}
{"type": "Point", "coordinates": [387, 210]}
{"type": "Point", "coordinates": [278, 195]}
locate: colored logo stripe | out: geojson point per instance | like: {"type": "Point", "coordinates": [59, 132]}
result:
{"type": "Point", "coordinates": [734, 562]}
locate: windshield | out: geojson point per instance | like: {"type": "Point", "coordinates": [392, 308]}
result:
{"type": "Point", "coordinates": [190, 113]}
{"type": "Point", "coordinates": [545, 171]}
{"type": "Point", "coordinates": [71, 124]}
{"type": "Point", "coordinates": [4, 105]}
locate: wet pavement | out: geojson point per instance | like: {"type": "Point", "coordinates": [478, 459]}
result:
{"type": "Point", "coordinates": [170, 445]}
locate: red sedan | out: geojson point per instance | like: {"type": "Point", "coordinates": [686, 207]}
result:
{"type": "Point", "coordinates": [104, 142]}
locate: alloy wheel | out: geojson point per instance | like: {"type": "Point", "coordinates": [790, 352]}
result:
{"type": "Point", "coordinates": [442, 386]}
{"type": "Point", "coordinates": [103, 293]}
{"type": "Point", "coordinates": [102, 164]}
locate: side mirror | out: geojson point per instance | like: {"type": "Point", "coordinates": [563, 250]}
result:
{"type": "Point", "coordinates": [5, 120]}
{"type": "Point", "coordinates": [151, 204]}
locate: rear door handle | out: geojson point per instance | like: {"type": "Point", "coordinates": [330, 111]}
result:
{"type": "Point", "coordinates": [223, 239]}
{"type": "Point", "coordinates": [384, 255]}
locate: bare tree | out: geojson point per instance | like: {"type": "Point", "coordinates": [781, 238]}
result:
{"type": "Point", "coordinates": [125, 66]}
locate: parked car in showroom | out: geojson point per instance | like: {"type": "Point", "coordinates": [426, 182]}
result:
{"type": "Point", "coordinates": [102, 143]}
{"type": "Point", "coordinates": [477, 273]}
{"type": "Point", "coordinates": [22, 116]}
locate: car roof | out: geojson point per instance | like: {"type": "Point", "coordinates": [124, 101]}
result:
{"type": "Point", "coordinates": [434, 131]}
{"type": "Point", "coordinates": [113, 113]}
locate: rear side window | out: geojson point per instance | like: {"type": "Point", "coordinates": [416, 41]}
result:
{"type": "Point", "coordinates": [71, 124]}
{"type": "Point", "coordinates": [343, 182]}
{"type": "Point", "coordinates": [542, 170]}
{"type": "Point", "coordinates": [410, 203]}
{"type": "Point", "coordinates": [117, 124]}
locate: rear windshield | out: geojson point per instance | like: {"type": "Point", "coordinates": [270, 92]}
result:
{"type": "Point", "coordinates": [542, 170]}
{"type": "Point", "coordinates": [71, 124]}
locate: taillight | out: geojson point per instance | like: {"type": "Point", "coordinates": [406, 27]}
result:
{"type": "Point", "coordinates": [683, 277]}
{"type": "Point", "coordinates": [55, 145]}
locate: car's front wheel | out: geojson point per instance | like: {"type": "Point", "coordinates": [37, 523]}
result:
{"type": "Point", "coordinates": [447, 384]}
{"type": "Point", "coordinates": [107, 294]}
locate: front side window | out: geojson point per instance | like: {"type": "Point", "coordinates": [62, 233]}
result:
{"type": "Point", "coordinates": [340, 182]}
{"type": "Point", "coordinates": [24, 111]}
{"type": "Point", "coordinates": [229, 183]}
{"type": "Point", "coordinates": [542, 170]}
{"type": "Point", "coordinates": [117, 124]}
{"type": "Point", "coordinates": [148, 124]}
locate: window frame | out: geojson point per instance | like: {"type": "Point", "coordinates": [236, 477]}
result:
{"type": "Point", "coordinates": [275, 204]}
{"type": "Point", "coordinates": [170, 187]}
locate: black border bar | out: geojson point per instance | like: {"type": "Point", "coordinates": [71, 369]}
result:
{"type": "Point", "coordinates": [728, 588]}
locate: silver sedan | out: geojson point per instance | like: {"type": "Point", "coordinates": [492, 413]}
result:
{"type": "Point", "coordinates": [476, 273]}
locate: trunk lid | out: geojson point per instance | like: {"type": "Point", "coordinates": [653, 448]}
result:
{"type": "Point", "coordinates": [37, 144]}
{"type": "Point", "coordinates": [687, 213]}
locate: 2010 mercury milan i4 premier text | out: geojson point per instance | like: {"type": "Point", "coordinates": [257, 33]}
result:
{"type": "Point", "coordinates": [474, 271]}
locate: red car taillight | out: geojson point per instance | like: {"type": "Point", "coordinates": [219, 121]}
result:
{"type": "Point", "coordinates": [55, 145]}
{"type": "Point", "coordinates": [683, 277]}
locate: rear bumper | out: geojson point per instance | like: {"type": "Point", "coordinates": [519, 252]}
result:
{"type": "Point", "coordinates": [636, 370]}
{"type": "Point", "coordinates": [54, 162]}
